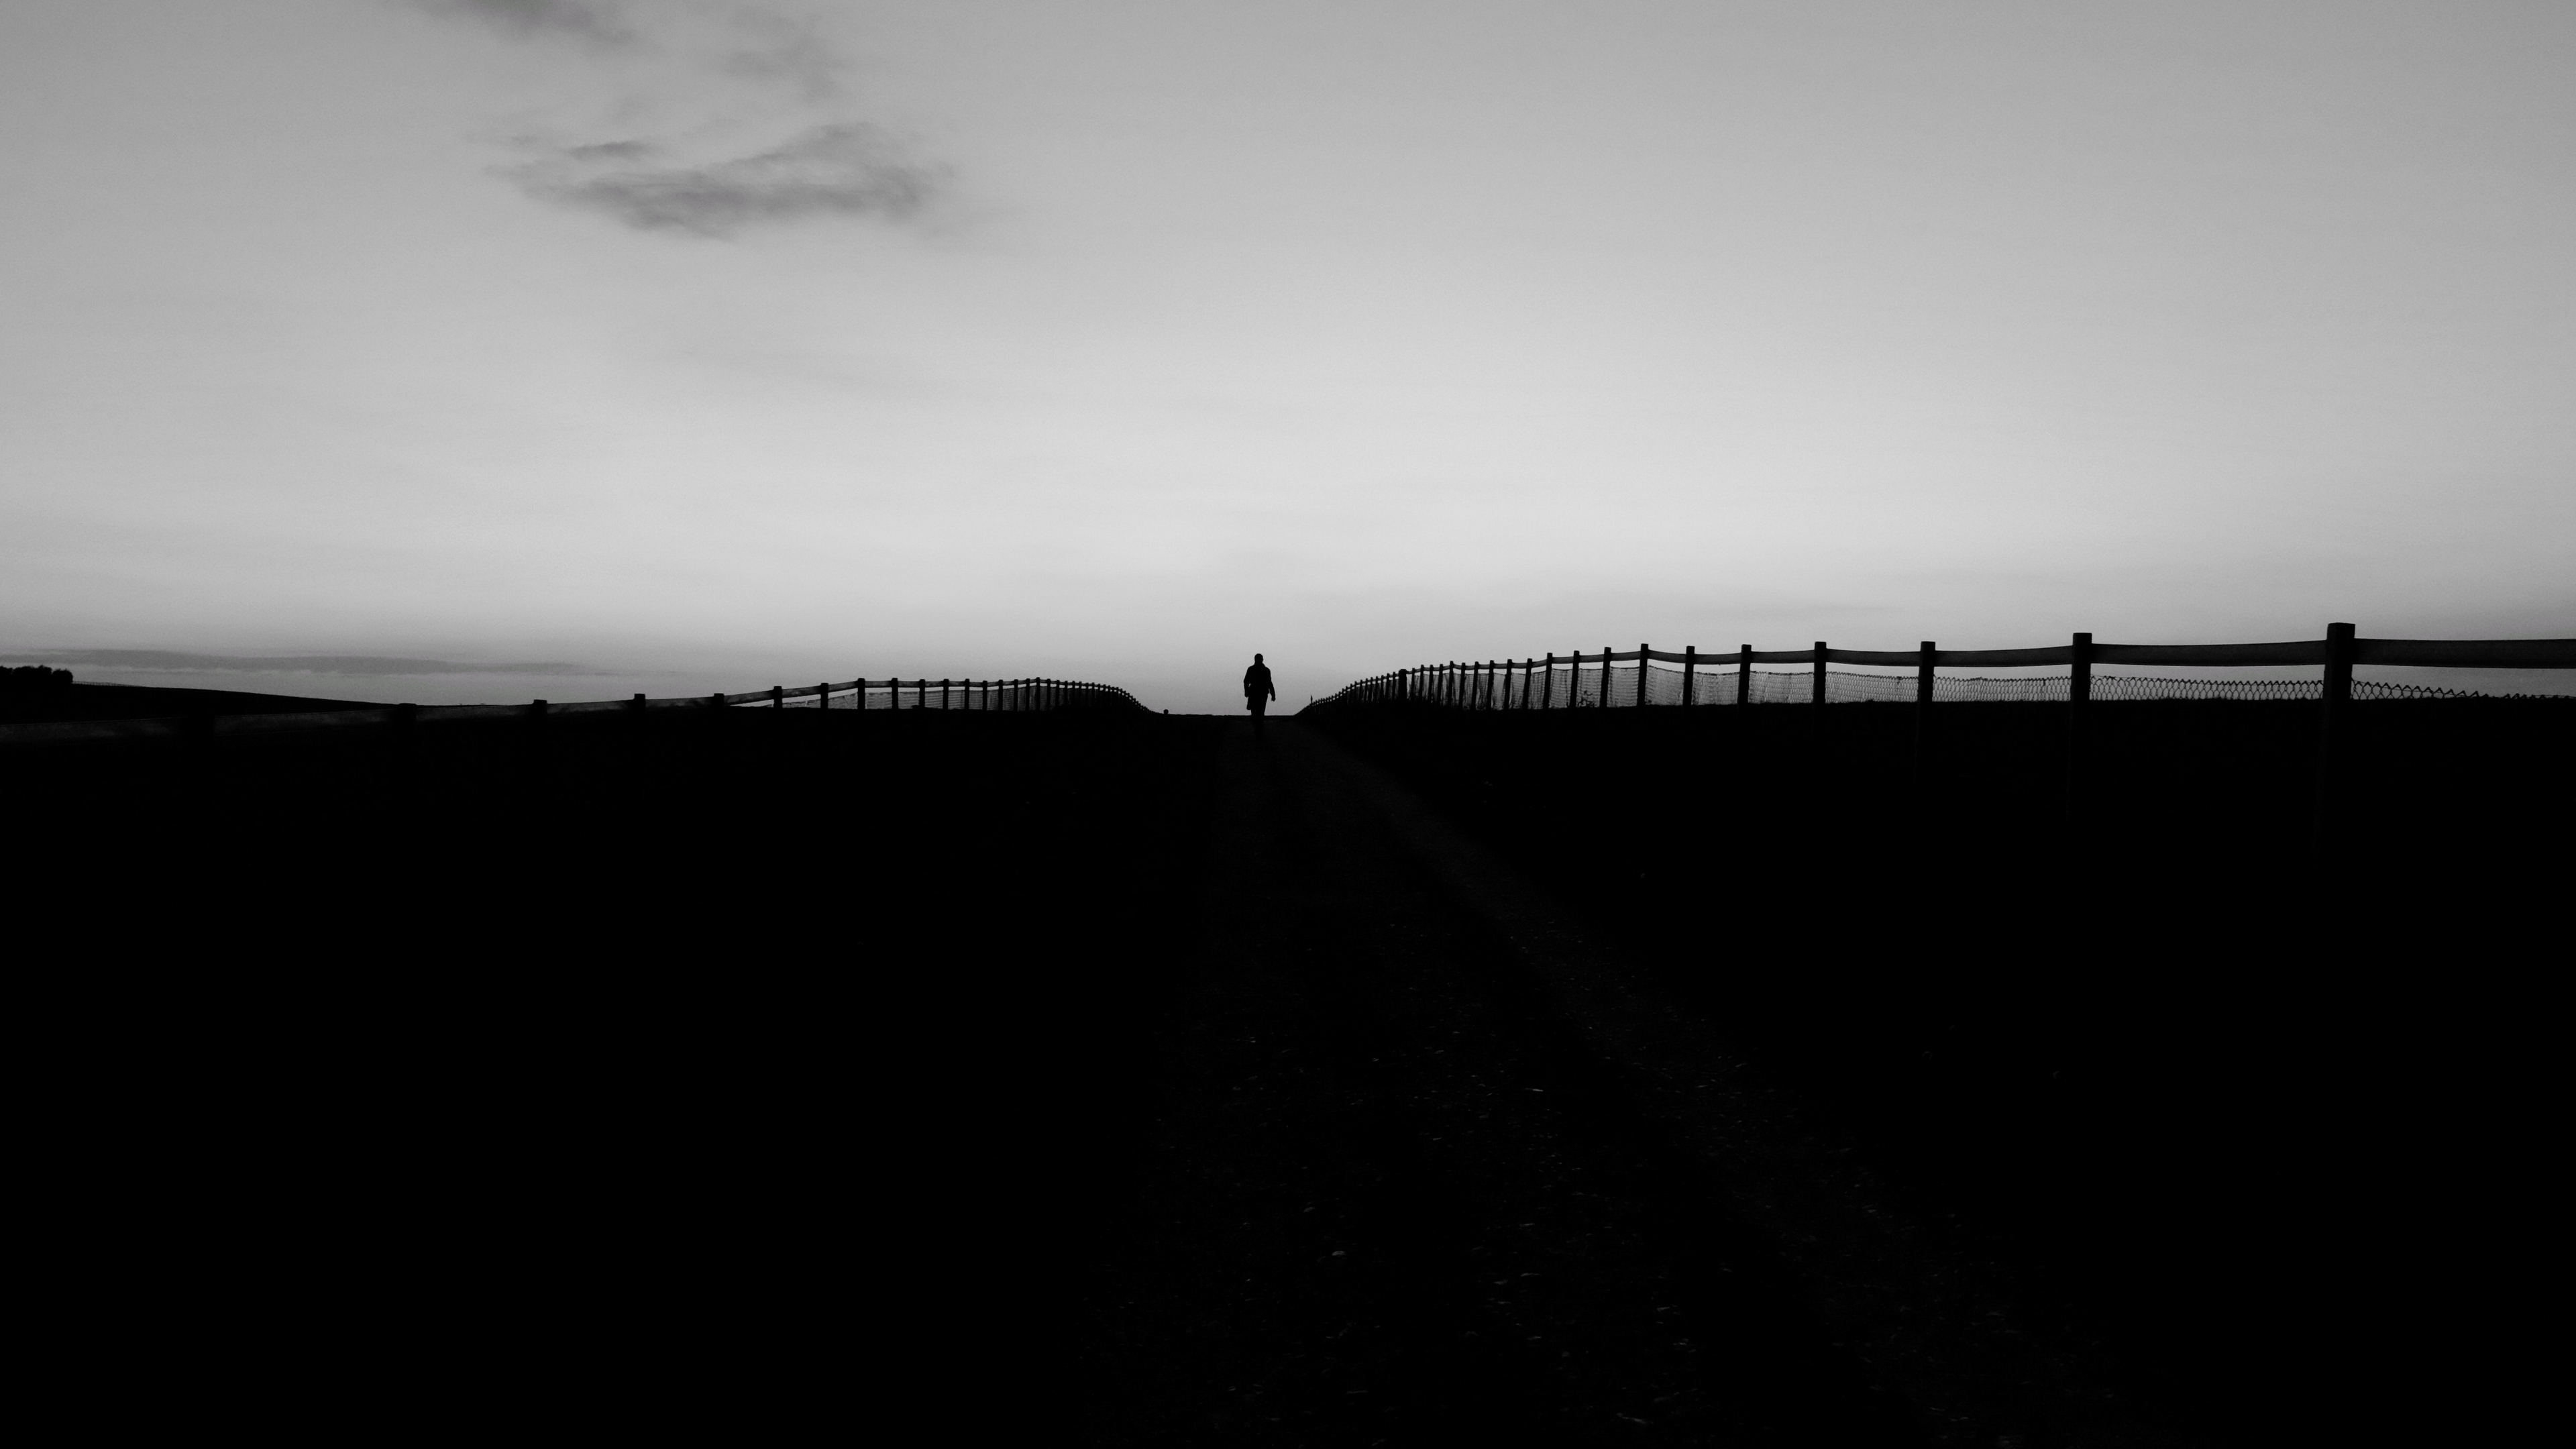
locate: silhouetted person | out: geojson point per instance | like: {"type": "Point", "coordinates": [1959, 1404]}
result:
{"type": "Point", "coordinates": [1257, 691]}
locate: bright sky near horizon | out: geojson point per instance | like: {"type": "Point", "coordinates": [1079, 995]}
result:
{"type": "Point", "coordinates": [708, 345]}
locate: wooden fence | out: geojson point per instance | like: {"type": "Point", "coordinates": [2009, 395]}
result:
{"type": "Point", "coordinates": [1578, 680]}
{"type": "Point", "coordinates": [994, 695]}
{"type": "Point", "coordinates": [1581, 680]}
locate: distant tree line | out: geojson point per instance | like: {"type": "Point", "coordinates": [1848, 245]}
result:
{"type": "Point", "coordinates": [34, 676]}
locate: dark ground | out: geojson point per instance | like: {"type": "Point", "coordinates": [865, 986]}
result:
{"type": "Point", "coordinates": [25, 704]}
{"type": "Point", "coordinates": [1396, 1079]}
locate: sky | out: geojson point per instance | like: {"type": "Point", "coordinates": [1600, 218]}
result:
{"type": "Point", "coordinates": [490, 349]}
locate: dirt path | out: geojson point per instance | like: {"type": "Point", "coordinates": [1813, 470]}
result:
{"type": "Point", "coordinates": [1423, 1169]}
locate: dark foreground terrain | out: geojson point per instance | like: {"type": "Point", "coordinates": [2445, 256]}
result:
{"type": "Point", "coordinates": [1394, 1078]}
{"type": "Point", "coordinates": [22, 704]}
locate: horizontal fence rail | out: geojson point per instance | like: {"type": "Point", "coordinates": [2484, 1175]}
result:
{"type": "Point", "coordinates": [986, 695]}
{"type": "Point", "coordinates": [1636, 677]}
{"type": "Point", "coordinates": [1631, 679]}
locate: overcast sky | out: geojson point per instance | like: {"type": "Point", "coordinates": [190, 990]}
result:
{"type": "Point", "coordinates": [710, 345]}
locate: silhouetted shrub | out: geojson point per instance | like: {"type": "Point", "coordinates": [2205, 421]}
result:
{"type": "Point", "coordinates": [34, 676]}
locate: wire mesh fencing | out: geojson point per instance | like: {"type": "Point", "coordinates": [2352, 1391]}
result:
{"type": "Point", "coordinates": [1650, 677]}
{"type": "Point", "coordinates": [946, 694]}
{"type": "Point", "coordinates": [1616, 686]}
{"type": "Point", "coordinates": [996, 695]}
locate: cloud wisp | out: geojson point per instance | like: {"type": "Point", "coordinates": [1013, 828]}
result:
{"type": "Point", "coordinates": [750, 120]}
{"type": "Point", "coordinates": [590, 20]}
{"type": "Point", "coordinates": [363, 665]}
{"type": "Point", "coordinates": [847, 169]}
{"type": "Point", "coordinates": [776, 51]}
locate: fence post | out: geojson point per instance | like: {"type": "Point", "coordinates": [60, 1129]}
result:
{"type": "Point", "coordinates": [1923, 718]}
{"type": "Point", "coordinates": [1743, 674]}
{"type": "Point", "coordinates": [2079, 720]}
{"type": "Point", "coordinates": [1816, 695]}
{"type": "Point", "coordinates": [1643, 698]}
{"type": "Point", "coordinates": [823, 695]}
{"type": "Point", "coordinates": [777, 696]}
{"type": "Point", "coordinates": [2334, 709]}
{"type": "Point", "coordinates": [1608, 699]}
{"type": "Point", "coordinates": [1547, 683]}
{"type": "Point", "coordinates": [1690, 673]}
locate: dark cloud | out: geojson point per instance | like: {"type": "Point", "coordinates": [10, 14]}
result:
{"type": "Point", "coordinates": [355, 664]}
{"type": "Point", "coordinates": [849, 169]}
{"type": "Point", "coordinates": [593, 20]}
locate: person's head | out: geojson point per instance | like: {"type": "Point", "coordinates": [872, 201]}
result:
{"type": "Point", "coordinates": [1256, 658]}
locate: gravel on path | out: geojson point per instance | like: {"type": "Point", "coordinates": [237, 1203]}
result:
{"type": "Point", "coordinates": [1425, 1165]}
